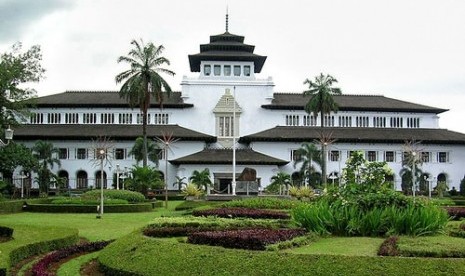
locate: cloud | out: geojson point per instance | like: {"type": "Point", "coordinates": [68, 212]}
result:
{"type": "Point", "coordinates": [17, 15]}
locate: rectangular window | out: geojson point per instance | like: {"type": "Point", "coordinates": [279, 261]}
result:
{"type": "Point", "coordinates": [225, 127]}
{"type": "Point", "coordinates": [81, 153]}
{"type": "Point", "coordinates": [71, 118]}
{"type": "Point", "coordinates": [371, 156]}
{"type": "Point", "coordinates": [227, 70]}
{"type": "Point", "coordinates": [247, 70]}
{"type": "Point", "coordinates": [217, 70]}
{"type": "Point", "coordinates": [126, 118]}
{"type": "Point", "coordinates": [334, 156]}
{"type": "Point", "coordinates": [237, 70]}
{"type": "Point", "coordinates": [207, 69]}
{"type": "Point", "coordinates": [63, 153]}
{"type": "Point", "coordinates": [295, 155]}
{"type": "Point", "coordinates": [425, 157]}
{"type": "Point", "coordinates": [389, 156]}
{"type": "Point", "coordinates": [443, 157]}
{"type": "Point", "coordinates": [119, 154]}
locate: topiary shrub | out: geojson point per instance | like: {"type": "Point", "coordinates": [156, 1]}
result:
{"type": "Point", "coordinates": [6, 232]}
{"type": "Point", "coordinates": [130, 196]}
{"type": "Point", "coordinates": [389, 247]}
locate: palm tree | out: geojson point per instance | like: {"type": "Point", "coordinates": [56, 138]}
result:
{"type": "Point", "coordinates": [308, 155]}
{"type": "Point", "coordinates": [46, 154]}
{"type": "Point", "coordinates": [321, 92]}
{"type": "Point", "coordinates": [201, 179]}
{"type": "Point", "coordinates": [143, 81]}
{"type": "Point", "coordinates": [152, 151]}
{"type": "Point", "coordinates": [281, 179]}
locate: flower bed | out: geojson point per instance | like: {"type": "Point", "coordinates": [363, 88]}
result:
{"type": "Point", "coordinates": [456, 212]}
{"type": "Point", "coordinates": [41, 267]}
{"type": "Point", "coordinates": [251, 239]}
{"type": "Point", "coordinates": [241, 213]}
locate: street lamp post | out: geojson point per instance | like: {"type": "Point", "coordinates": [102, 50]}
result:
{"type": "Point", "coordinates": [414, 176]}
{"type": "Point", "coordinates": [430, 185]}
{"type": "Point", "coordinates": [8, 137]}
{"type": "Point", "coordinates": [101, 157]}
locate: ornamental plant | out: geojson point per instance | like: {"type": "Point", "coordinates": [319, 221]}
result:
{"type": "Point", "coordinates": [191, 190]}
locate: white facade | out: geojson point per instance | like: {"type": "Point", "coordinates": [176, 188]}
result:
{"type": "Point", "coordinates": [209, 96]}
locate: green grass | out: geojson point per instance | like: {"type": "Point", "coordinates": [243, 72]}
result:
{"type": "Point", "coordinates": [111, 226]}
{"type": "Point", "coordinates": [148, 256]}
{"type": "Point", "coordinates": [435, 246]}
{"type": "Point", "coordinates": [73, 267]}
{"type": "Point", "coordinates": [347, 246]}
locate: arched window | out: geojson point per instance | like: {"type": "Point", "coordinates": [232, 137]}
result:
{"type": "Point", "coordinates": [81, 180]}
{"type": "Point", "coordinates": [65, 176]}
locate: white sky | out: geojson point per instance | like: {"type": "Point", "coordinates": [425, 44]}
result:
{"type": "Point", "coordinates": [412, 50]}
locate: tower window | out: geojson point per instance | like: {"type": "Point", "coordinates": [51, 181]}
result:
{"type": "Point", "coordinates": [247, 70]}
{"type": "Point", "coordinates": [207, 69]}
{"type": "Point", "coordinates": [237, 70]}
{"type": "Point", "coordinates": [217, 70]}
{"type": "Point", "coordinates": [227, 70]}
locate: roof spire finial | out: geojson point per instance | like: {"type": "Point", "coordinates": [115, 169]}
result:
{"type": "Point", "coordinates": [227, 18]}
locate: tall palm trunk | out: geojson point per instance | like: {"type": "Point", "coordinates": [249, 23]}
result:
{"type": "Point", "coordinates": [144, 126]}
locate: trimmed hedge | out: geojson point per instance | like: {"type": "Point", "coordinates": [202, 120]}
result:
{"type": "Point", "coordinates": [53, 208]}
{"type": "Point", "coordinates": [16, 206]}
{"type": "Point", "coordinates": [263, 203]}
{"type": "Point", "coordinates": [130, 196]}
{"type": "Point", "coordinates": [135, 254]}
{"type": "Point", "coordinates": [241, 213]}
{"type": "Point", "coordinates": [456, 212]}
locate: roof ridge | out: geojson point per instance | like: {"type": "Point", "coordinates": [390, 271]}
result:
{"type": "Point", "coordinates": [356, 95]}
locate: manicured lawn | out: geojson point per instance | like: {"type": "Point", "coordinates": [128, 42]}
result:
{"type": "Point", "coordinates": [111, 226]}
{"type": "Point", "coordinates": [347, 246]}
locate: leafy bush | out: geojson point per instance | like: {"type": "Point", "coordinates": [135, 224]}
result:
{"type": "Point", "coordinates": [129, 196]}
{"type": "Point", "coordinates": [263, 203]}
{"type": "Point", "coordinates": [251, 239]}
{"type": "Point", "coordinates": [389, 247]}
{"type": "Point", "coordinates": [144, 179]}
{"type": "Point", "coordinates": [241, 213]}
{"type": "Point", "coordinates": [341, 218]}
{"type": "Point", "coordinates": [41, 267]}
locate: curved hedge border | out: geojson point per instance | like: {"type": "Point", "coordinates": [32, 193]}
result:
{"type": "Point", "coordinates": [123, 208]}
{"type": "Point", "coordinates": [238, 212]}
{"type": "Point", "coordinates": [15, 255]}
{"type": "Point", "coordinates": [135, 254]}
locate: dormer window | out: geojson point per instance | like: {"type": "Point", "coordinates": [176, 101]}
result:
{"type": "Point", "coordinates": [227, 70]}
{"type": "Point", "coordinates": [247, 70]}
{"type": "Point", "coordinates": [207, 69]}
{"type": "Point", "coordinates": [237, 70]}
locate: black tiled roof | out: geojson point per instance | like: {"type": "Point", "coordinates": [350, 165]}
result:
{"type": "Point", "coordinates": [224, 156]}
{"type": "Point", "coordinates": [347, 102]}
{"type": "Point", "coordinates": [357, 135]}
{"type": "Point", "coordinates": [226, 47]}
{"type": "Point", "coordinates": [102, 99]}
{"type": "Point", "coordinates": [117, 132]}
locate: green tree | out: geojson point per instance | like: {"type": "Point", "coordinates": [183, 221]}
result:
{"type": "Point", "coordinates": [201, 179]}
{"type": "Point", "coordinates": [143, 179]}
{"type": "Point", "coordinates": [143, 81]}
{"type": "Point", "coordinates": [153, 150]}
{"type": "Point", "coordinates": [46, 154]}
{"type": "Point", "coordinates": [16, 69]}
{"type": "Point", "coordinates": [308, 155]}
{"type": "Point", "coordinates": [321, 102]}
{"type": "Point", "coordinates": [281, 179]}
{"type": "Point", "coordinates": [462, 187]}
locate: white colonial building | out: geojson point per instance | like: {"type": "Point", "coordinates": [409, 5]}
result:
{"type": "Point", "coordinates": [228, 99]}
